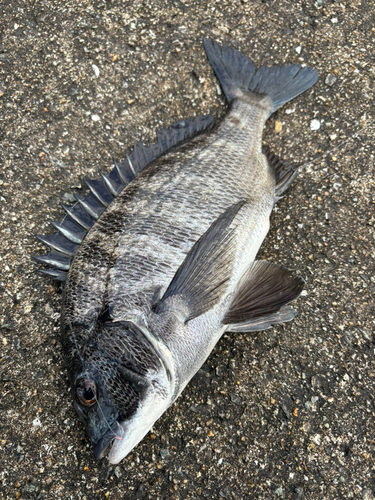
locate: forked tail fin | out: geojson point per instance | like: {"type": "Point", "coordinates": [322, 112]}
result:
{"type": "Point", "coordinates": [236, 71]}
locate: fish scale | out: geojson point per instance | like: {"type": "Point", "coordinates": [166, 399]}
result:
{"type": "Point", "coordinates": [185, 216]}
{"type": "Point", "coordinates": [159, 258]}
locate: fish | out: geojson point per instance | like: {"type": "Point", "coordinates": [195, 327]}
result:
{"type": "Point", "coordinates": [159, 259]}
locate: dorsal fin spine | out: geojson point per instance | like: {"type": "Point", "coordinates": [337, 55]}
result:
{"type": "Point", "coordinates": [105, 197]}
{"type": "Point", "coordinates": [91, 205]}
{"type": "Point", "coordinates": [118, 170]}
{"type": "Point", "coordinates": [57, 274]}
{"type": "Point", "coordinates": [71, 211]}
{"type": "Point", "coordinates": [104, 190]}
{"type": "Point", "coordinates": [131, 167]}
{"type": "Point", "coordinates": [54, 258]}
{"type": "Point", "coordinates": [58, 242]}
{"type": "Point", "coordinates": [71, 230]}
{"type": "Point", "coordinates": [109, 185]}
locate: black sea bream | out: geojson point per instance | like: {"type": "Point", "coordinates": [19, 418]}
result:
{"type": "Point", "coordinates": [159, 259]}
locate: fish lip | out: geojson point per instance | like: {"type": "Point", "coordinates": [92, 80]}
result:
{"type": "Point", "coordinates": [115, 432]}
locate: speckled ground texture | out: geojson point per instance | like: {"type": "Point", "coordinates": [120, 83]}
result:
{"type": "Point", "coordinates": [288, 413]}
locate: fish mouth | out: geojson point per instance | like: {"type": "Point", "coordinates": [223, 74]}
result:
{"type": "Point", "coordinates": [113, 435]}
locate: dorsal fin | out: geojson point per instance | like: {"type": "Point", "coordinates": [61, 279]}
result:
{"type": "Point", "coordinates": [284, 172]}
{"type": "Point", "coordinates": [167, 139]}
{"type": "Point", "coordinates": [83, 214]}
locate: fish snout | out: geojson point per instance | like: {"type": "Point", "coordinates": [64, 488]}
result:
{"type": "Point", "coordinates": [115, 433]}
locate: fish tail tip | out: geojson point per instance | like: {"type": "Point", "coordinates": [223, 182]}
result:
{"type": "Point", "coordinates": [236, 71]}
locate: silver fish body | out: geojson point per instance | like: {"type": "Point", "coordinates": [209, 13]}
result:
{"type": "Point", "coordinates": [169, 265]}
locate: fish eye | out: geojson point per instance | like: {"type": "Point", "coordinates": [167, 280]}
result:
{"type": "Point", "coordinates": [87, 392]}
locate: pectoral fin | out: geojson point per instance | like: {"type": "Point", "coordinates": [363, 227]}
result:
{"type": "Point", "coordinates": [202, 278]}
{"type": "Point", "coordinates": [261, 299]}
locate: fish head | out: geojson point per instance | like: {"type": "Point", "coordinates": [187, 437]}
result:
{"type": "Point", "coordinates": [122, 382]}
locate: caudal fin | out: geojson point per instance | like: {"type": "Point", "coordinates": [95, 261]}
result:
{"type": "Point", "coordinates": [236, 71]}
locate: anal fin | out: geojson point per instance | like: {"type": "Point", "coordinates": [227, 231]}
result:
{"type": "Point", "coordinates": [284, 172]}
{"type": "Point", "coordinates": [262, 298]}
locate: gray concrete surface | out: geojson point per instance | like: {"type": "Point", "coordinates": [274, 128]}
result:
{"type": "Point", "coordinates": [288, 413]}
